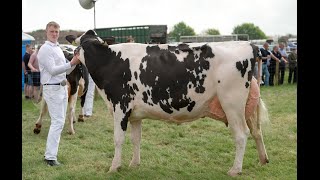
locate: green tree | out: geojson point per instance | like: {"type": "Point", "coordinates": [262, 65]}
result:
{"type": "Point", "coordinates": [181, 29]}
{"type": "Point", "coordinates": [253, 31]}
{"type": "Point", "coordinates": [212, 31]}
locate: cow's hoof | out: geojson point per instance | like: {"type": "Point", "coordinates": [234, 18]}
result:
{"type": "Point", "coordinates": [234, 173]}
{"type": "Point", "coordinates": [36, 131]}
{"type": "Point", "coordinates": [71, 132]}
{"type": "Point", "coordinates": [264, 161]}
{"type": "Point", "coordinates": [112, 169]}
{"type": "Point", "coordinates": [133, 165]}
{"type": "Point", "coordinates": [80, 118]}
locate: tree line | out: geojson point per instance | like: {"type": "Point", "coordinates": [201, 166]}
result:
{"type": "Point", "coordinates": [253, 31]}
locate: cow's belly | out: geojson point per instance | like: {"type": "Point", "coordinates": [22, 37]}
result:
{"type": "Point", "coordinates": [142, 110]}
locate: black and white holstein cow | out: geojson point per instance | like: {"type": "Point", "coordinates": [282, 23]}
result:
{"type": "Point", "coordinates": [177, 83]}
{"type": "Point", "coordinates": [77, 80]}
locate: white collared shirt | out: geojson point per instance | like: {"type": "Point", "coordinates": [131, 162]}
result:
{"type": "Point", "coordinates": [52, 63]}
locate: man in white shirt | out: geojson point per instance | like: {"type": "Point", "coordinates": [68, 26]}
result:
{"type": "Point", "coordinates": [53, 67]}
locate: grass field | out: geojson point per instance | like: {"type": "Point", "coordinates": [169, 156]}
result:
{"type": "Point", "coordinates": [201, 149]}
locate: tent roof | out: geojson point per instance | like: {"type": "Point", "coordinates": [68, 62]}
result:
{"type": "Point", "coordinates": [27, 37]}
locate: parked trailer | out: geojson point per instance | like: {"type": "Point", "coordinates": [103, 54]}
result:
{"type": "Point", "coordinates": [141, 34]}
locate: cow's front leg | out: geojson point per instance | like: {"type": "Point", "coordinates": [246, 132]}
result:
{"type": "Point", "coordinates": [135, 139]}
{"type": "Point", "coordinates": [120, 127]}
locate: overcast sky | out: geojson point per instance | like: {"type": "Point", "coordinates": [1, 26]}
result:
{"type": "Point", "coordinates": [274, 17]}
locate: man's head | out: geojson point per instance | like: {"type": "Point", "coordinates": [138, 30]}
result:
{"type": "Point", "coordinates": [29, 48]}
{"type": "Point", "coordinates": [52, 31]}
{"type": "Point", "coordinates": [275, 48]}
{"type": "Point", "coordinates": [266, 45]}
{"type": "Point", "coordinates": [281, 45]}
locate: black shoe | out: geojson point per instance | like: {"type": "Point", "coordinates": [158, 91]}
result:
{"type": "Point", "coordinates": [52, 162]}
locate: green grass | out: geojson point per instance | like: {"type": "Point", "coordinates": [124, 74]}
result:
{"type": "Point", "coordinates": [201, 149]}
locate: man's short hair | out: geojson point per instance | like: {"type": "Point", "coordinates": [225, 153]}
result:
{"type": "Point", "coordinates": [54, 24]}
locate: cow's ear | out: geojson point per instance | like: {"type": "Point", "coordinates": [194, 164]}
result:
{"type": "Point", "coordinates": [70, 38]}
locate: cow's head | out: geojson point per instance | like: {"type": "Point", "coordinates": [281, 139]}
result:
{"type": "Point", "coordinates": [88, 39]}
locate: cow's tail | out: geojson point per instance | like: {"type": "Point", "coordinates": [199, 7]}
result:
{"type": "Point", "coordinates": [262, 113]}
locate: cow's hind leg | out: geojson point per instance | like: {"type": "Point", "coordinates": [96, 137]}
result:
{"type": "Point", "coordinates": [71, 112]}
{"type": "Point", "coordinates": [234, 107]}
{"type": "Point", "coordinates": [135, 139]}
{"type": "Point", "coordinates": [83, 99]}
{"type": "Point", "coordinates": [254, 123]}
{"type": "Point", "coordinates": [43, 112]}
{"type": "Point", "coordinates": [120, 127]}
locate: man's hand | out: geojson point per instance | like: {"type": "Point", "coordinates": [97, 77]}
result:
{"type": "Point", "coordinates": [75, 60]}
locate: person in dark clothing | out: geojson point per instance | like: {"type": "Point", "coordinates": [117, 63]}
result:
{"type": "Point", "coordinates": [27, 72]}
{"type": "Point", "coordinates": [265, 56]}
{"type": "Point", "coordinates": [283, 61]}
{"type": "Point", "coordinates": [293, 59]}
{"type": "Point", "coordinates": [272, 68]}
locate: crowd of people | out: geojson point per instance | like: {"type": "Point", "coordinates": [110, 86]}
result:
{"type": "Point", "coordinates": [274, 62]}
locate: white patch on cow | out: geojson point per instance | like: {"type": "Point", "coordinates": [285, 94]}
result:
{"type": "Point", "coordinates": [197, 54]}
{"type": "Point", "coordinates": [181, 55]}
{"type": "Point", "coordinates": [162, 46]}
{"type": "Point", "coordinates": [81, 57]}
{"type": "Point", "coordinates": [132, 51]}
{"type": "Point", "coordinates": [144, 65]}
{"type": "Point", "coordinates": [157, 77]}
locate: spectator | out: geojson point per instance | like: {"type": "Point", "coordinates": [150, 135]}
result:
{"type": "Point", "coordinates": [34, 67]}
{"type": "Point", "coordinates": [293, 59]}
{"type": "Point", "coordinates": [265, 56]}
{"type": "Point", "coordinates": [282, 64]}
{"type": "Point", "coordinates": [53, 67]}
{"type": "Point", "coordinates": [130, 39]}
{"type": "Point", "coordinates": [27, 73]}
{"type": "Point", "coordinates": [275, 57]}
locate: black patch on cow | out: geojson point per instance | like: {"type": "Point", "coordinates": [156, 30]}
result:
{"type": "Point", "coordinates": [247, 85]}
{"type": "Point", "coordinates": [135, 87]}
{"type": "Point", "coordinates": [218, 81]}
{"type": "Point", "coordinates": [190, 86]}
{"type": "Point", "coordinates": [109, 71]}
{"type": "Point", "coordinates": [242, 67]}
{"type": "Point", "coordinates": [250, 74]}
{"type": "Point", "coordinates": [145, 97]}
{"type": "Point", "coordinates": [191, 105]}
{"type": "Point", "coordinates": [136, 75]}
{"type": "Point", "coordinates": [124, 122]}
{"type": "Point", "coordinates": [174, 75]}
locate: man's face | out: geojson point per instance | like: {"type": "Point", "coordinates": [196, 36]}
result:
{"type": "Point", "coordinates": [53, 34]}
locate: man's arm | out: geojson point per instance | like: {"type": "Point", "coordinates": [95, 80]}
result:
{"type": "Point", "coordinates": [24, 67]}
{"type": "Point", "coordinates": [31, 60]}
